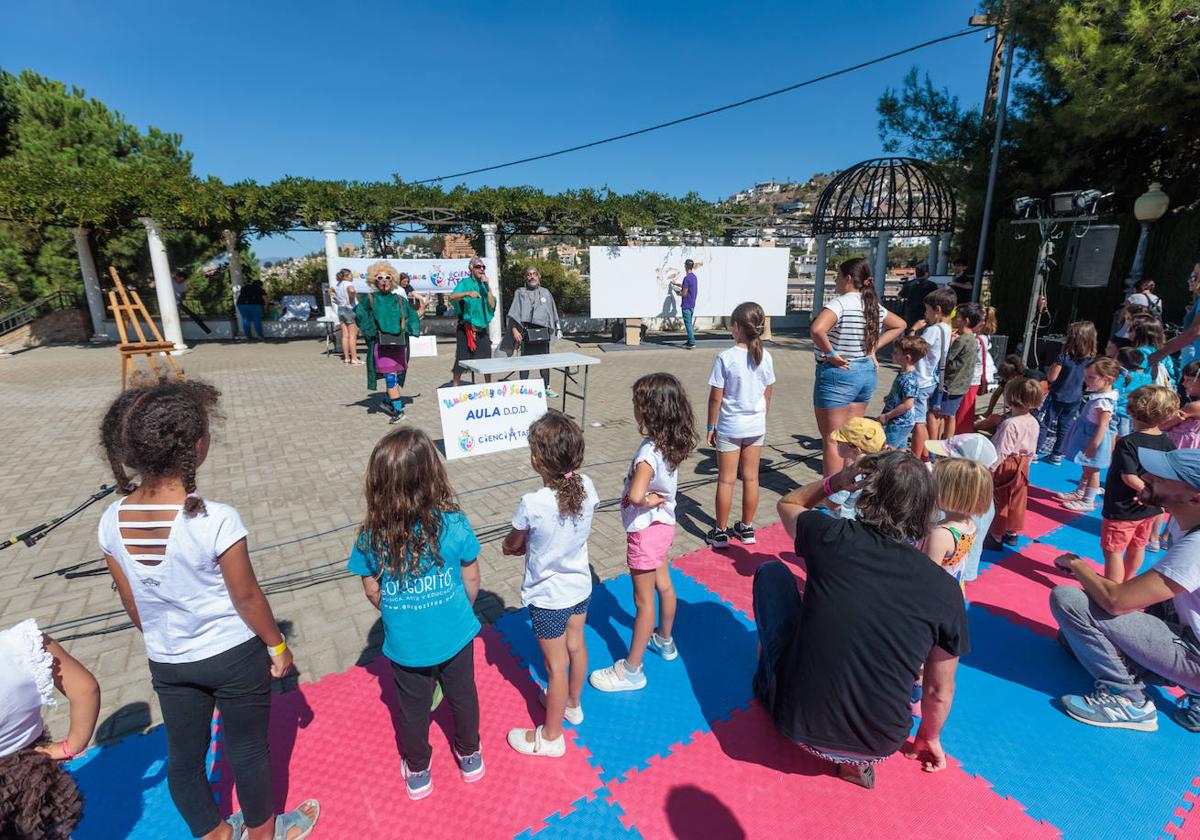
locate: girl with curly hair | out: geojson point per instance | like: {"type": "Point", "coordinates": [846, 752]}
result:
{"type": "Point", "coordinates": [37, 797]}
{"type": "Point", "coordinates": [551, 528]}
{"type": "Point", "coordinates": [664, 416]}
{"type": "Point", "coordinates": [182, 568]}
{"type": "Point", "coordinates": [416, 553]}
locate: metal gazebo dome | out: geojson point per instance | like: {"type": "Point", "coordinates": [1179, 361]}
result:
{"type": "Point", "coordinates": [896, 195]}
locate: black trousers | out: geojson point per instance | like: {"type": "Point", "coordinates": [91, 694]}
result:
{"type": "Point", "coordinates": [238, 682]}
{"type": "Point", "coordinates": [536, 348]}
{"type": "Point", "coordinates": [415, 687]}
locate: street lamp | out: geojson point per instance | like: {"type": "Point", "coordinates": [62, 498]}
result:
{"type": "Point", "coordinates": [1148, 209]}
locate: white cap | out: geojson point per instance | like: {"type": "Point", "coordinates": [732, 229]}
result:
{"type": "Point", "coordinates": [973, 447]}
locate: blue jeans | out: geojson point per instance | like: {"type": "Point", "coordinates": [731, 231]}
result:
{"type": "Point", "coordinates": [777, 610]}
{"type": "Point", "coordinates": [838, 387]}
{"type": "Point", "coordinates": [1057, 416]}
{"type": "Point", "coordinates": [897, 434]}
{"type": "Point", "coordinates": [687, 325]}
{"type": "Point", "coordinates": [251, 314]}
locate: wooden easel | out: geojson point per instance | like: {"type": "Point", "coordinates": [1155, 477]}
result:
{"type": "Point", "coordinates": [129, 311]}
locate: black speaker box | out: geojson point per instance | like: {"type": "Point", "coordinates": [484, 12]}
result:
{"type": "Point", "coordinates": [1090, 257]}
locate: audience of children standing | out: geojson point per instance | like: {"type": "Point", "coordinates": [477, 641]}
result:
{"type": "Point", "coordinates": [899, 416]}
{"type": "Point", "coordinates": [936, 332]}
{"type": "Point", "coordinates": [959, 373]}
{"type": "Point", "coordinates": [1089, 442]}
{"type": "Point", "coordinates": [1015, 441]}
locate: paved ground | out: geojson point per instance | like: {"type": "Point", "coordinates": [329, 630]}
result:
{"type": "Point", "coordinates": [289, 455]}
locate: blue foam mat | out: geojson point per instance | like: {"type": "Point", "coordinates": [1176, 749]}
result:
{"type": "Point", "coordinates": [125, 790]}
{"type": "Point", "coordinates": [595, 820]}
{"type": "Point", "coordinates": [1055, 478]}
{"type": "Point", "coordinates": [1006, 727]}
{"type": "Point", "coordinates": [718, 650]}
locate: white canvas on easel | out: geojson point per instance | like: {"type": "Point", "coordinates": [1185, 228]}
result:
{"type": "Point", "coordinates": [637, 281]}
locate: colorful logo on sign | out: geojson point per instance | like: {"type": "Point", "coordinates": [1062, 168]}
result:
{"type": "Point", "coordinates": [465, 442]}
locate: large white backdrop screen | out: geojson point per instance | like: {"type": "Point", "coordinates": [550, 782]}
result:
{"type": "Point", "coordinates": [634, 281]}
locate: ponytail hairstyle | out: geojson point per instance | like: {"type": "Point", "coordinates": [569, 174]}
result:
{"type": "Point", "coordinates": [1108, 368]}
{"type": "Point", "coordinates": [750, 318]}
{"type": "Point", "coordinates": [556, 444]}
{"type": "Point", "coordinates": [858, 272]}
{"type": "Point", "coordinates": [154, 430]}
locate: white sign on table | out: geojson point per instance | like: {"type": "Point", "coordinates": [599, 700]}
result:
{"type": "Point", "coordinates": [489, 417]}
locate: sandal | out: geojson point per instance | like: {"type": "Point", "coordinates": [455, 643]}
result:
{"type": "Point", "coordinates": [295, 818]}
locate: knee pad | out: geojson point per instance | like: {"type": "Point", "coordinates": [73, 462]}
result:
{"type": "Point", "coordinates": [392, 380]}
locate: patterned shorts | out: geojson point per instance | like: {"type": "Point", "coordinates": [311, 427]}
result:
{"type": "Point", "coordinates": [550, 624]}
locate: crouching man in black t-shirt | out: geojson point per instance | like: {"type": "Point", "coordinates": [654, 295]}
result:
{"type": "Point", "coordinates": [838, 663]}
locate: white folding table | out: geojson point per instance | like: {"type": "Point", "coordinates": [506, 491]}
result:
{"type": "Point", "coordinates": [554, 361]}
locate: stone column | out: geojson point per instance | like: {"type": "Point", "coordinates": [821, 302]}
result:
{"type": "Point", "coordinates": [91, 283]}
{"type": "Point", "coordinates": [880, 267]}
{"type": "Point", "coordinates": [491, 256]}
{"type": "Point", "coordinates": [168, 312]}
{"type": "Point", "coordinates": [943, 253]}
{"type": "Point", "coordinates": [819, 275]}
{"type": "Point", "coordinates": [331, 251]}
{"type": "Point", "coordinates": [234, 246]}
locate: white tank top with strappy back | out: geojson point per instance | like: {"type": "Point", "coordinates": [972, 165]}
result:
{"type": "Point", "coordinates": [185, 607]}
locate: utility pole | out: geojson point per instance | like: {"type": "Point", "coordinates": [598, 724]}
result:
{"type": "Point", "coordinates": [1002, 59]}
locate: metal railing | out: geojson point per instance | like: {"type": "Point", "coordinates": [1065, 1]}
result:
{"type": "Point", "coordinates": [22, 315]}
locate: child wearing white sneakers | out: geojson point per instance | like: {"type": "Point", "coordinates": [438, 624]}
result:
{"type": "Point", "coordinates": [551, 528]}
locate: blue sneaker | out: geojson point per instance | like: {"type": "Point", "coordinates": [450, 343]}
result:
{"type": "Point", "coordinates": [665, 647]}
{"type": "Point", "coordinates": [1104, 707]}
{"type": "Point", "coordinates": [418, 785]}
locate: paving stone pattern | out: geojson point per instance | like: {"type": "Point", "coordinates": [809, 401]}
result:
{"type": "Point", "coordinates": [289, 455]}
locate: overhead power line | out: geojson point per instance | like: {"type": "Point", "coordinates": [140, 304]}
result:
{"type": "Point", "coordinates": [825, 76]}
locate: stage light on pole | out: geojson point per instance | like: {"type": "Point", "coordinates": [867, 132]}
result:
{"type": "Point", "coordinates": [1148, 209]}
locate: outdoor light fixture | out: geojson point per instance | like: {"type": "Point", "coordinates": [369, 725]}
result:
{"type": "Point", "coordinates": [1074, 202]}
{"type": "Point", "coordinates": [1026, 204]}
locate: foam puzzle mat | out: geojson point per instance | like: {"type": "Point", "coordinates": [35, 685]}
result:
{"type": "Point", "coordinates": [693, 755]}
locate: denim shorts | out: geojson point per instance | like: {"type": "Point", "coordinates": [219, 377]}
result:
{"type": "Point", "coordinates": [346, 314]}
{"type": "Point", "coordinates": [948, 407]}
{"type": "Point", "coordinates": [921, 403]}
{"type": "Point", "coordinates": [838, 387]}
{"type": "Point", "coordinates": [897, 434]}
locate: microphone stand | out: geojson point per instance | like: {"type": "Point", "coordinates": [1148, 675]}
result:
{"type": "Point", "coordinates": [31, 536]}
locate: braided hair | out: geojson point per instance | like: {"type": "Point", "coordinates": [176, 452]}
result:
{"type": "Point", "coordinates": [153, 431]}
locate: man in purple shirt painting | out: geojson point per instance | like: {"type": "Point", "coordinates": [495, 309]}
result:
{"type": "Point", "coordinates": [687, 301]}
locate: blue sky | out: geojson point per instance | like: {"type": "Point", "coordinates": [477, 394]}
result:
{"type": "Point", "coordinates": [362, 90]}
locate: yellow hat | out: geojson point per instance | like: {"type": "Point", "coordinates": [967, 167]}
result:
{"type": "Point", "coordinates": [863, 434]}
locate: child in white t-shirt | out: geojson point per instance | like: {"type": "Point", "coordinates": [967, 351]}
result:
{"type": "Point", "coordinates": [738, 399]}
{"type": "Point", "coordinates": [664, 415]}
{"type": "Point", "coordinates": [936, 331]}
{"type": "Point", "coordinates": [551, 528]}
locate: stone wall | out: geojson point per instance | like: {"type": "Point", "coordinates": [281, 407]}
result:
{"type": "Point", "coordinates": [67, 326]}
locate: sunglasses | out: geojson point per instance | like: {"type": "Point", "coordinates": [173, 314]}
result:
{"type": "Point", "coordinates": [476, 265]}
{"type": "Point", "coordinates": [381, 277]}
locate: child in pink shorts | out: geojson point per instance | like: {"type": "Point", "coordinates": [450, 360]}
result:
{"type": "Point", "coordinates": [664, 415]}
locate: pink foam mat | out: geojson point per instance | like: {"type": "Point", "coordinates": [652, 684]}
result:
{"type": "Point", "coordinates": [730, 572]}
{"type": "Point", "coordinates": [1018, 587]}
{"type": "Point", "coordinates": [743, 779]}
{"type": "Point", "coordinates": [1044, 513]}
{"type": "Point", "coordinates": [335, 741]}
{"type": "Point", "coordinates": [1186, 823]}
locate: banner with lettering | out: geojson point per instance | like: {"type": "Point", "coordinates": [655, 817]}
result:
{"type": "Point", "coordinates": [489, 417]}
{"type": "Point", "coordinates": [426, 275]}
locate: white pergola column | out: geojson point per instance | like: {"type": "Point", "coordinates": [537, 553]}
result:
{"type": "Point", "coordinates": [491, 256]}
{"type": "Point", "coordinates": [819, 274]}
{"type": "Point", "coordinates": [331, 251]}
{"type": "Point", "coordinates": [943, 253]}
{"type": "Point", "coordinates": [880, 267]}
{"type": "Point", "coordinates": [91, 283]}
{"type": "Point", "coordinates": [933, 254]}
{"type": "Point", "coordinates": [234, 246]}
{"type": "Point", "coordinates": [168, 312]}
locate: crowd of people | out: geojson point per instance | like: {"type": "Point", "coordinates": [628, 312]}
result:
{"type": "Point", "coordinates": [889, 536]}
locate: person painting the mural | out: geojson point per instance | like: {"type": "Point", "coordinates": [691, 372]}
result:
{"type": "Point", "coordinates": [386, 320]}
{"type": "Point", "coordinates": [476, 304]}
{"type": "Point", "coordinates": [687, 289]}
{"type": "Point", "coordinates": [533, 319]}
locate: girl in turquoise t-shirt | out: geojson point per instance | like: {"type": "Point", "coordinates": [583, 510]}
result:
{"type": "Point", "coordinates": [416, 554]}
